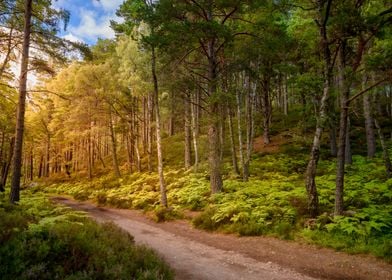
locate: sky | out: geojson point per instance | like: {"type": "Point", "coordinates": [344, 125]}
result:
{"type": "Point", "coordinates": [90, 19]}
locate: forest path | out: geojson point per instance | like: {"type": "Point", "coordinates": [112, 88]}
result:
{"type": "Point", "coordinates": [195, 254]}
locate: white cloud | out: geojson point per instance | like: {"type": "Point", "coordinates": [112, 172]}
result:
{"type": "Point", "coordinates": [108, 5]}
{"type": "Point", "coordinates": [71, 37]}
{"type": "Point", "coordinates": [90, 29]}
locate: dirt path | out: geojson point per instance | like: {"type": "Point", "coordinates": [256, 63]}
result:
{"type": "Point", "coordinates": [195, 254]}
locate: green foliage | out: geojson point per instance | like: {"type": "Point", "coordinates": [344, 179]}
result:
{"type": "Point", "coordinates": [273, 202]}
{"type": "Point", "coordinates": [253, 208]}
{"type": "Point", "coordinates": [43, 241]}
{"type": "Point", "coordinates": [367, 224]}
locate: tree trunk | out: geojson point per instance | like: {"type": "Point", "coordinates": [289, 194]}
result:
{"type": "Point", "coordinates": [232, 141]}
{"type": "Point", "coordinates": [187, 133]}
{"type": "Point", "coordinates": [138, 160]}
{"type": "Point", "coordinates": [170, 130]}
{"type": "Point", "coordinates": [339, 191]}
{"type": "Point", "coordinates": [145, 124]}
{"type": "Point", "coordinates": [158, 130]}
{"type": "Point", "coordinates": [239, 127]}
{"type": "Point", "coordinates": [99, 155]}
{"type": "Point", "coordinates": [266, 106]}
{"type": "Point", "coordinates": [332, 141]}
{"type": "Point", "coordinates": [249, 130]}
{"type": "Point", "coordinates": [150, 106]}
{"type": "Point", "coordinates": [195, 132]}
{"type": "Point", "coordinates": [348, 155]}
{"type": "Point", "coordinates": [89, 160]}
{"type": "Point", "coordinates": [47, 157]}
{"type": "Point", "coordinates": [129, 143]}
{"type": "Point", "coordinates": [370, 137]}
{"type": "Point", "coordinates": [136, 126]}
{"type": "Point", "coordinates": [285, 96]}
{"type": "Point", "coordinates": [114, 146]}
{"type": "Point", "coordinates": [221, 132]}
{"type": "Point", "coordinates": [17, 164]}
{"type": "Point", "coordinates": [31, 171]}
{"type": "Point", "coordinates": [310, 175]}
{"type": "Point", "coordinates": [40, 167]}
{"type": "Point", "coordinates": [213, 129]}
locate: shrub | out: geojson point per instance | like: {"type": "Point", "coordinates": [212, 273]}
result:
{"type": "Point", "coordinates": [63, 244]}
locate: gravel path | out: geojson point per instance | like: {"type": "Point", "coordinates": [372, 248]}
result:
{"type": "Point", "coordinates": [199, 255]}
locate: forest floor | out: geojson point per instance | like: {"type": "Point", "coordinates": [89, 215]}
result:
{"type": "Point", "coordinates": [196, 254]}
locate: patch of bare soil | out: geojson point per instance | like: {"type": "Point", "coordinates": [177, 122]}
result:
{"type": "Point", "coordinates": [196, 254]}
{"type": "Point", "coordinates": [273, 147]}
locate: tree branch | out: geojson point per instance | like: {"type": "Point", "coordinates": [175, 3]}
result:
{"type": "Point", "coordinates": [365, 90]}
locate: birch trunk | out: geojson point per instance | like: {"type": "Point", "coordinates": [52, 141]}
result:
{"type": "Point", "coordinates": [195, 132]}
{"type": "Point", "coordinates": [239, 128]}
{"type": "Point", "coordinates": [311, 169]}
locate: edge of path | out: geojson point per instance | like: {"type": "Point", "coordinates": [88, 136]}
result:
{"type": "Point", "coordinates": [306, 259]}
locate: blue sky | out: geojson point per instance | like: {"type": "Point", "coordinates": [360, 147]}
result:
{"type": "Point", "coordinates": [90, 19]}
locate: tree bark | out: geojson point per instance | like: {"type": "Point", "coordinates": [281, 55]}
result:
{"type": "Point", "coordinates": [221, 132]}
{"type": "Point", "coordinates": [89, 159]}
{"type": "Point", "coordinates": [195, 132]}
{"type": "Point", "coordinates": [332, 141]}
{"type": "Point", "coordinates": [266, 108]}
{"type": "Point", "coordinates": [213, 129]}
{"type": "Point", "coordinates": [158, 130]}
{"type": "Point", "coordinates": [114, 146]}
{"type": "Point", "coordinates": [129, 136]}
{"type": "Point", "coordinates": [187, 133]}
{"type": "Point", "coordinates": [348, 154]}
{"type": "Point", "coordinates": [150, 106]}
{"type": "Point", "coordinates": [17, 163]}
{"type": "Point", "coordinates": [341, 157]}
{"type": "Point", "coordinates": [239, 128]}
{"type": "Point", "coordinates": [136, 126]}
{"type": "Point", "coordinates": [249, 130]}
{"type": "Point", "coordinates": [370, 137]}
{"type": "Point", "coordinates": [310, 175]}
{"type": "Point", "coordinates": [31, 171]}
{"type": "Point", "coordinates": [47, 157]}
{"type": "Point", "coordinates": [232, 141]}
{"type": "Point", "coordinates": [40, 167]}
{"type": "Point", "coordinates": [285, 97]}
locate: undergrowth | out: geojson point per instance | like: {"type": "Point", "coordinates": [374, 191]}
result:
{"type": "Point", "coordinates": [40, 240]}
{"type": "Point", "coordinates": [272, 202]}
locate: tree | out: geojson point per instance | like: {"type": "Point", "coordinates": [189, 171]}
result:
{"type": "Point", "coordinates": [323, 9]}
{"type": "Point", "coordinates": [17, 163]}
{"type": "Point", "coordinates": [204, 28]}
{"type": "Point", "coordinates": [356, 26]}
{"type": "Point", "coordinates": [136, 13]}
